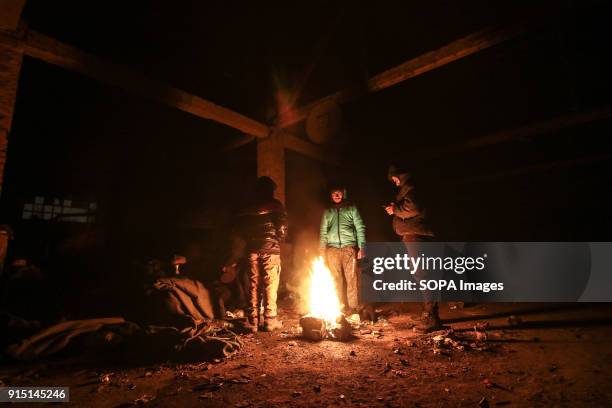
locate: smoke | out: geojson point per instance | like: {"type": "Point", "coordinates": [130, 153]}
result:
{"type": "Point", "coordinates": [306, 199]}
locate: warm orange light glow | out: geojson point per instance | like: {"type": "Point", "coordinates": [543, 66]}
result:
{"type": "Point", "coordinates": [323, 301]}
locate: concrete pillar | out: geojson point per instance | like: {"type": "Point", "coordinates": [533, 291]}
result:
{"type": "Point", "coordinates": [10, 14]}
{"type": "Point", "coordinates": [10, 66]}
{"type": "Point", "coordinates": [271, 162]}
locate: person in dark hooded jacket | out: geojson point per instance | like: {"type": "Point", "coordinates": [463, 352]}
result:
{"type": "Point", "coordinates": [410, 223]}
{"type": "Point", "coordinates": [263, 226]}
{"type": "Point", "coordinates": [342, 238]}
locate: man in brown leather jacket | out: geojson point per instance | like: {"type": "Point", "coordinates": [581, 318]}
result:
{"type": "Point", "coordinates": [410, 223]}
{"type": "Point", "coordinates": [263, 226]}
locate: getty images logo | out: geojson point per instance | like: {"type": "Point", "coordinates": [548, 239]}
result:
{"type": "Point", "coordinates": [411, 264]}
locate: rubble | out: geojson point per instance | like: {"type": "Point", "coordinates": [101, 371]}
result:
{"type": "Point", "coordinates": [239, 381]}
{"type": "Point", "coordinates": [483, 403]}
{"type": "Point", "coordinates": [105, 378]}
{"type": "Point", "coordinates": [354, 320]}
{"type": "Point", "coordinates": [449, 340]}
{"type": "Point", "coordinates": [514, 320]}
{"type": "Point", "coordinates": [480, 331]}
{"type": "Point", "coordinates": [399, 373]}
{"type": "Point", "coordinates": [144, 399]}
{"type": "Point", "coordinates": [343, 329]}
{"type": "Point", "coordinates": [208, 386]}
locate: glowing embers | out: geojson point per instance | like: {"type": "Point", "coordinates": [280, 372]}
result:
{"type": "Point", "coordinates": [324, 318]}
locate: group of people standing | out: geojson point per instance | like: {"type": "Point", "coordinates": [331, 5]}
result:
{"type": "Point", "coordinates": [342, 243]}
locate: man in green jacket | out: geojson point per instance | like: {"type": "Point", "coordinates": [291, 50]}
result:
{"type": "Point", "coordinates": [342, 240]}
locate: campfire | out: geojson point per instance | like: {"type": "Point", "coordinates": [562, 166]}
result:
{"type": "Point", "coordinates": [325, 318]}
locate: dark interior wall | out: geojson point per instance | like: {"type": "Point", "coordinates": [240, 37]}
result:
{"type": "Point", "coordinates": [155, 173]}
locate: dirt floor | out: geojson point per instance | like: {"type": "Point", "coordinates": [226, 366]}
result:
{"type": "Point", "coordinates": [540, 357]}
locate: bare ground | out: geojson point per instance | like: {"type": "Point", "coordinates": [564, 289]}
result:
{"type": "Point", "coordinates": [556, 357]}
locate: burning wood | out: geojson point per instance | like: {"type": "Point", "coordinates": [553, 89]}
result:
{"type": "Point", "coordinates": [313, 328]}
{"type": "Point", "coordinates": [324, 320]}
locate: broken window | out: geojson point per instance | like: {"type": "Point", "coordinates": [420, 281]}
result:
{"type": "Point", "coordinates": [42, 208]}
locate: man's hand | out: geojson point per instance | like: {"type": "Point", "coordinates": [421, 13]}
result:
{"type": "Point", "coordinates": [390, 209]}
{"type": "Point", "coordinates": [361, 253]}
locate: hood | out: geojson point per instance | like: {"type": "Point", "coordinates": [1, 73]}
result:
{"type": "Point", "coordinates": [337, 188]}
{"type": "Point", "coordinates": [395, 171]}
{"type": "Point", "coordinates": [265, 187]}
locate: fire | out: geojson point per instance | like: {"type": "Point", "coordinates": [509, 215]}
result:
{"type": "Point", "coordinates": [324, 302]}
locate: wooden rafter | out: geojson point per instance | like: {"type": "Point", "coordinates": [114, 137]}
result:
{"type": "Point", "coordinates": [521, 134]}
{"type": "Point", "coordinates": [50, 50]}
{"type": "Point", "coordinates": [453, 51]}
{"type": "Point", "coordinates": [536, 168]}
{"type": "Point", "coordinates": [243, 140]}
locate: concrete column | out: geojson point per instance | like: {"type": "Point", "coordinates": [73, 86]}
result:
{"type": "Point", "coordinates": [271, 162]}
{"type": "Point", "coordinates": [10, 66]}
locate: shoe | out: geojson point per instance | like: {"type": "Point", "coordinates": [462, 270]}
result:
{"type": "Point", "coordinates": [427, 323]}
{"type": "Point", "coordinates": [251, 325]}
{"type": "Point", "coordinates": [367, 313]}
{"type": "Point", "coordinates": [271, 324]}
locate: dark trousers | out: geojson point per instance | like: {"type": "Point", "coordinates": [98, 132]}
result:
{"type": "Point", "coordinates": [342, 263]}
{"type": "Point", "coordinates": [412, 248]}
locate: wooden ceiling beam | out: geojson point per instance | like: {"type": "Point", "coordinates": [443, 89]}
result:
{"type": "Point", "coordinates": [535, 168]}
{"type": "Point", "coordinates": [54, 52]}
{"type": "Point", "coordinates": [453, 51]}
{"type": "Point", "coordinates": [520, 134]}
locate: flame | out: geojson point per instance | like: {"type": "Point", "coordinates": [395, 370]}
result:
{"type": "Point", "coordinates": [324, 302]}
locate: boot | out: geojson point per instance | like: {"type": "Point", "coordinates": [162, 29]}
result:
{"type": "Point", "coordinates": [251, 325]}
{"type": "Point", "coordinates": [272, 323]}
{"type": "Point", "coordinates": [428, 322]}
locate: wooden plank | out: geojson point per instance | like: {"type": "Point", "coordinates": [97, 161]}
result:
{"type": "Point", "coordinates": [244, 140]}
{"type": "Point", "coordinates": [453, 51]}
{"type": "Point", "coordinates": [524, 133]}
{"type": "Point", "coordinates": [536, 168]}
{"type": "Point", "coordinates": [42, 47]}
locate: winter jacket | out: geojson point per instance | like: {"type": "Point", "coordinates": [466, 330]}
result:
{"type": "Point", "coordinates": [409, 217]}
{"type": "Point", "coordinates": [263, 226]}
{"type": "Point", "coordinates": [342, 226]}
